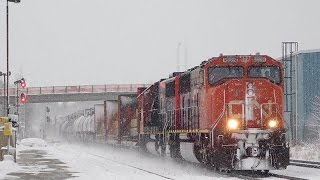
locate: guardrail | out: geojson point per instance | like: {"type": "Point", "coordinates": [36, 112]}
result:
{"type": "Point", "coordinates": [76, 89]}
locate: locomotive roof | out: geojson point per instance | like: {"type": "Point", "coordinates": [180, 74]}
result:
{"type": "Point", "coordinates": [202, 65]}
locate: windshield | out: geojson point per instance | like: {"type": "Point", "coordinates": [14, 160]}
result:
{"type": "Point", "coordinates": [217, 74]}
{"type": "Point", "coordinates": [270, 72]}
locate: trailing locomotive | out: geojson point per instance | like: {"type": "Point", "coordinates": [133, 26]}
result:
{"type": "Point", "coordinates": [227, 113]}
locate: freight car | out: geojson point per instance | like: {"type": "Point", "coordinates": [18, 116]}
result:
{"type": "Point", "coordinates": [79, 126]}
{"type": "Point", "coordinates": [226, 113]}
{"type": "Point", "coordinates": [113, 122]}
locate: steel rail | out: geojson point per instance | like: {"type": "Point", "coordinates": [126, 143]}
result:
{"type": "Point", "coordinates": [285, 177]}
{"type": "Point", "coordinates": [249, 174]}
{"type": "Point", "coordinates": [238, 174]}
{"type": "Point", "coordinates": [303, 163]}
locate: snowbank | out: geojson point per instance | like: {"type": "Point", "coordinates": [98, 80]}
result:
{"type": "Point", "coordinates": [7, 166]}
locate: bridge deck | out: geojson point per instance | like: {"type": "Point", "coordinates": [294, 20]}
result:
{"type": "Point", "coordinates": [72, 93]}
{"type": "Point", "coordinates": [76, 89]}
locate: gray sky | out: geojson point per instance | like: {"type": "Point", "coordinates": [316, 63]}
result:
{"type": "Point", "coordinates": [77, 42]}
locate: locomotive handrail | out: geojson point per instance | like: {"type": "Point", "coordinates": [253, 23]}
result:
{"type": "Point", "coordinates": [261, 114]}
{"type": "Point", "coordinates": [244, 121]}
{"type": "Point", "coordinates": [173, 111]}
{"type": "Point", "coordinates": [189, 114]}
{"type": "Point", "coordinates": [166, 116]}
{"type": "Point", "coordinates": [222, 113]}
{"type": "Point", "coordinates": [165, 126]}
{"type": "Point", "coordinates": [219, 118]}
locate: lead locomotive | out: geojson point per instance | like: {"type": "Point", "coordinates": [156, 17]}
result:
{"type": "Point", "coordinates": [227, 113]}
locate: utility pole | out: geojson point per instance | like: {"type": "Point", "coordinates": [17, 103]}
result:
{"type": "Point", "coordinates": [4, 93]}
{"type": "Point", "coordinates": [7, 58]}
{"type": "Point", "coordinates": [8, 72]}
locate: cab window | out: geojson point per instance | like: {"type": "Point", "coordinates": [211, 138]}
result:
{"type": "Point", "coordinates": [216, 74]}
{"type": "Point", "coordinates": [271, 73]}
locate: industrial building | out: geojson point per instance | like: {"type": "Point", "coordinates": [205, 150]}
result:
{"type": "Point", "coordinates": [302, 93]}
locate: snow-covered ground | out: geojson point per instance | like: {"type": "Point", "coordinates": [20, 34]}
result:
{"type": "Point", "coordinates": [7, 166]}
{"type": "Point", "coordinates": [300, 172]}
{"type": "Point", "coordinates": [108, 163]}
{"type": "Point", "coordinates": [101, 162]}
{"type": "Point", "coordinates": [309, 152]}
{"type": "Point", "coordinates": [83, 161]}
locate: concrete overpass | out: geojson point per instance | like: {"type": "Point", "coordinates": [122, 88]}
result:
{"type": "Point", "coordinates": [72, 93]}
{"type": "Point", "coordinates": [32, 110]}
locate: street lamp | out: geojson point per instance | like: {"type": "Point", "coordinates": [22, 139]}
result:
{"type": "Point", "coordinates": [15, 1]}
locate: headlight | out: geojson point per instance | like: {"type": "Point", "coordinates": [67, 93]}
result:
{"type": "Point", "coordinates": [272, 123]}
{"type": "Point", "coordinates": [233, 124]}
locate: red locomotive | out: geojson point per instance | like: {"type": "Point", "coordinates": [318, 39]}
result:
{"type": "Point", "coordinates": [227, 112]}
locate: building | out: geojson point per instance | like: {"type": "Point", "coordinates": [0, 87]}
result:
{"type": "Point", "coordinates": [302, 95]}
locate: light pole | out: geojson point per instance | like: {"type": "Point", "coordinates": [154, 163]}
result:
{"type": "Point", "coordinates": [15, 1]}
{"type": "Point", "coordinates": [4, 92]}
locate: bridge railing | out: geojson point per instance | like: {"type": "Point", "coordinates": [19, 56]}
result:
{"type": "Point", "coordinates": [76, 89]}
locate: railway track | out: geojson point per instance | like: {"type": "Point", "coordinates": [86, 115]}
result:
{"type": "Point", "coordinates": [308, 164]}
{"type": "Point", "coordinates": [134, 167]}
{"type": "Point", "coordinates": [233, 174]}
{"type": "Point", "coordinates": [237, 174]}
{"type": "Point", "coordinates": [252, 174]}
{"type": "Point", "coordinates": [284, 176]}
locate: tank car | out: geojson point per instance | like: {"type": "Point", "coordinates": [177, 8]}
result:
{"type": "Point", "coordinates": [226, 113]}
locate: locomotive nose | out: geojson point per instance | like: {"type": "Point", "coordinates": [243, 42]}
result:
{"type": "Point", "coordinates": [253, 102]}
{"type": "Point", "coordinates": [262, 108]}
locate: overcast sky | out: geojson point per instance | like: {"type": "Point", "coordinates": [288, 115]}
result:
{"type": "Point", "coordinates": [78, 42]}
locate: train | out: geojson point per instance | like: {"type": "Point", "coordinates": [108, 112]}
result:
{"type": "Point", "coordinates": [227, 113]}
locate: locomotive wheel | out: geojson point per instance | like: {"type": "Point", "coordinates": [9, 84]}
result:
{"type": "Point", "coordinates": [162, 146]}
{"type": "Point", "coordinates": [142, 143]}
{"type": "Point", "coordinates": [225, 170]}
{"type": "Point", "coordinates": [261, 172]}
{"type": "Point", "coordinates": [174, 146]}
{"type": "Point", "coordinates": [265, 172]}
{"type": "Point", "coordinates": [175, 150]}
{"type": "Point", "coordinates": [201, 154]}
{"type": "Point", "coordinates": [213, 164]}
{"type": "Point", "coordinates": [214, 160]}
